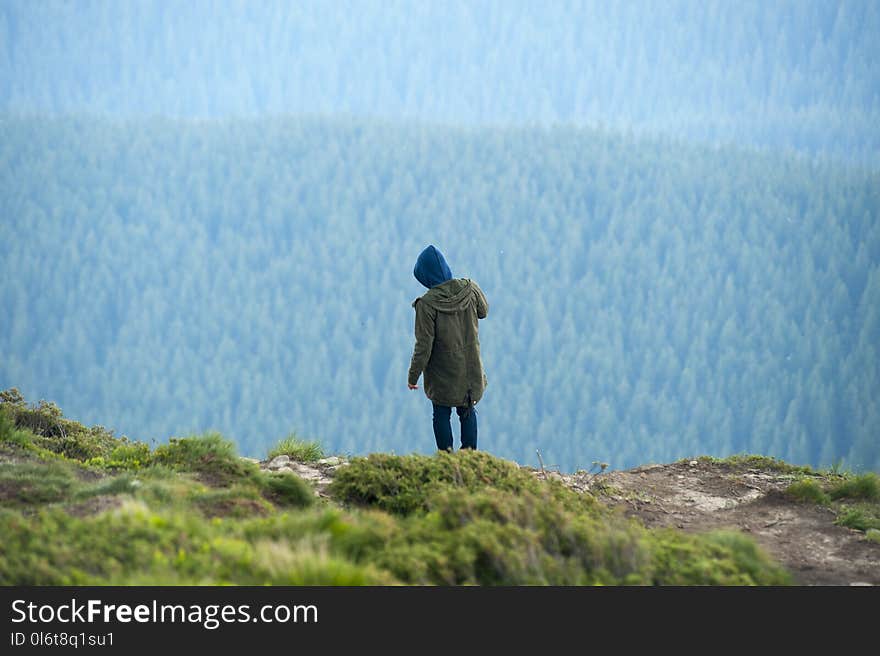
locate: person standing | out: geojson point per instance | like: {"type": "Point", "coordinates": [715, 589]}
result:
{"type": "Point", "coordinates": [447, 349]}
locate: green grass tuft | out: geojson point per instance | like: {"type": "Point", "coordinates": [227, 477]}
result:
{"type": "Point", "coordinates": [718, 558]}
{"type": "Point", "coordinates": [134, 545]}
{"type": "Point", "coordinates": [865, 486]}
{"type": "Point", "coordinates": [131, 456]}
{"type": "Point", "coordinates": [113, 485]}
{"type": "Point", "coordinates": [298, 449]}
{"type": "Point", "coordinates": [406, 484]}
{"type": "Point", "coordinates": [285, 489]}
{"type": "Point", "coordinates": [750, 461]}
{"type": "Point", "coordinates": [209, 455]}
{"type": "Point", "coordinates": [808, 491]}
{"type": "Point", "coordinates": [237, 501]}
{"type": "Point", "coordinates": [498, 537]}
{"type": "Point", "coordinates": [861, 518]}
{"type": "Point", "coordinates": [26, 483]}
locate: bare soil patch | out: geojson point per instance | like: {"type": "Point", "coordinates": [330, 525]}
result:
{"type": "Point", "coordinates": [702, 495]}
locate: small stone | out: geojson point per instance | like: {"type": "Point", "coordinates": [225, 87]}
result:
{"type": "Point", "coordinates": [253, 460]}
{"type": "Point", "coordinates": [279, 461]}
{"type": "Point", "coordinates": [306, 472]}
{"type": "Point", "coordinates": [693, 463]}
{"type": "Point", "coordinates": [332, 461]}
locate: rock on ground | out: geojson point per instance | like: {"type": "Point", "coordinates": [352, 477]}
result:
{"type": "Point", "coordinates": [319, 473]}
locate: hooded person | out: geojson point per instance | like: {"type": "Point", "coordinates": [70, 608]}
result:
{"type": "Point", "coordinates": [447, 349]}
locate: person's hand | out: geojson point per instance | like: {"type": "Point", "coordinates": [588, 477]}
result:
{"type": "Point", "coordinates": [412, 386]}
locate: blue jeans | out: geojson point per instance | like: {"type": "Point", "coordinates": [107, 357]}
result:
{"type": "Point", "coordinates": [443, 429]}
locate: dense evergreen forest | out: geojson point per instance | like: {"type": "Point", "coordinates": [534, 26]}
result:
{"type": "Point", "coordinates": [782, 74]}
{"type": "Point", "coordinates": [649, 299]}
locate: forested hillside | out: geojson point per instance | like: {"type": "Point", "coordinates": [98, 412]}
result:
{"type": "Point", "coordinates": [782, 74]}
{"type": "Point", "coordinates": [648, 299]}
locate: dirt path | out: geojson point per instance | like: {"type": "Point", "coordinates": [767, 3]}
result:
{"type": "Point", "coordinates": [704, 495]}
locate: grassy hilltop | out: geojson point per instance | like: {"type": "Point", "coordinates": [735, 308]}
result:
{"type": "Point", "coordinates": [81, 506]}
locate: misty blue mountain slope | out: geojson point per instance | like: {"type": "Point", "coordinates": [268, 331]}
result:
{"type": "Point", "coordinates": [650, 300]}
{"type": "Point", "coordinates": [781, 74]}
{"type": "Point", "coordinates": [209, 213]}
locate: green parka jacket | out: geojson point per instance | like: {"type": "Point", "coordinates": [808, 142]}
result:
{"type": "Point", "coordinates": [447, 346]}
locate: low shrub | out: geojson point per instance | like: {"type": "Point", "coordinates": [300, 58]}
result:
{"type": "Point", "coordinates": [43, 428]}
{"type": "Point", "coordinates": [406, 484]}
{"type": "Point", "coordinates": [210, 455]}
{"type": "Point", "coordinates": [501, 537]}
{"type": "Point", "coordinates": [287, 490]}
{"type": "Point", "coordinates": [131, 456]}
{"type": "Point", "coordinates": [9, 433]}
{"type": "Point", "coordinates": [751, 461]}
{"type": "Point", "coordinates": [718, 558]}
{"type": "Point", "coordinates": [865, 486]}
{"type": "Point", "coordinates": [808, 491]}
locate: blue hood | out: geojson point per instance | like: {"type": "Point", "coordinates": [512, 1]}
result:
{"type": "Point", "coordinates": [431, 268]}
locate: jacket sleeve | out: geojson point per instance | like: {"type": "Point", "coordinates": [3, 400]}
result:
{"type": "Point", "coordinates": [424, 341]}
{"type": "Point", "coordinates": [482, 303]}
